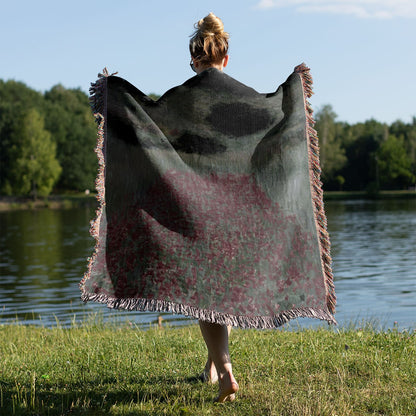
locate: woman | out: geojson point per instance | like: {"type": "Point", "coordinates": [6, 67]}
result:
{"type": "Point", "coordinates": [211, 203]}
{"type": "Point", "coordinates": [209, 49]}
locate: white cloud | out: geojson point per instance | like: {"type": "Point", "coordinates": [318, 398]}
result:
{"type": "Point", "coordinates": [378, 9]}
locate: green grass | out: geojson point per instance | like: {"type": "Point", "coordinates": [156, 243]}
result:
{"type": "Point", "coordinates": [74, 200]}
{"type": "Point", "coordinates": [108, 369]}
{"type": "Point", "coordinates": [348, 195]}
{"type": "Point", "coordinates": [63, 201]}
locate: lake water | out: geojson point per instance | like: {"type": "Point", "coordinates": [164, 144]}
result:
{"type": "Point", "coordinates": [43, 257]}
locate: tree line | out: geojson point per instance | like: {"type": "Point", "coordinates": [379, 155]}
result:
{"type": "Point", "coordinates": [47, 143]}
{"type": "Point", "coordinates": [47, 140]}
{"type": "Point", "coordinates": [368, 156]}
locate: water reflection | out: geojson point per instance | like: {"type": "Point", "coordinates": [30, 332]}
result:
{"type": "Point", "coordinates": [43, 257]}
{"type": "Point", "coordinates": [374, 254]}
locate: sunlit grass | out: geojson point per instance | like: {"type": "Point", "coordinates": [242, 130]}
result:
{"type": "Point", "coordinates": [98, 368]}
{"type": "Point", "coordinates": [68, 200]}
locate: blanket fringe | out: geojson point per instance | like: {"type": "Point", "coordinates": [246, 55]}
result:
{"type": "Point", "coordinates": [98, 101]}
{"type": "Point", "coordinates": [316, 188]}
{"type": "Point", "coordinates": [98, 105]}
{"type": "Point", "coordinates": [258, 322]}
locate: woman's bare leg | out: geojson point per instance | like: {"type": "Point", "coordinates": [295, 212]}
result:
{"type": "Point", "coordinates": [216, 339]}
{"type": "Point", "coordinates": [209, 374]}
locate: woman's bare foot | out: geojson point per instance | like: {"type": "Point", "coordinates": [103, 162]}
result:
{"type": "Point", "coordinates": [228, 388]}
{"type": "Point", "coordinates": [216, 339]}
{"type": "Point", "coordinates": [209, 374]}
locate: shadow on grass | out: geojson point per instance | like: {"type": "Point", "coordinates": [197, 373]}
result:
{"type": "Point", "coordinates": [98, 397]}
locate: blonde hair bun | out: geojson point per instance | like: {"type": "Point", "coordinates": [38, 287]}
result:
{"type": "Point", "coordinates": [209, 42]}
{"type": "Point", "coordinates": [210, 25]}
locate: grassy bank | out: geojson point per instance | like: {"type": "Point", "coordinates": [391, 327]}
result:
{"type": "Point", "coordinates": [99, 369]}
{"type": "Point", "coordinates": [340, 195]}
{"type": "Point", "coordinates": [64, 201]}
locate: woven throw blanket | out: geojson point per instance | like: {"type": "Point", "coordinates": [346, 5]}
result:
{"type": "Point", "coordinates": [210, 202]}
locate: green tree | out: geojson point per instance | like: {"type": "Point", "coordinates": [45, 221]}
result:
{"type": "Point", "coordinates": [15, 99]}
{"type": "Point", "coordinates": [34, 168]}
{"type": "Point", "coordinates": [154, 96]}
{"type": "Point", "coordinates": [394, 164]}
{"type": "Point", "coordinates": [361, 142]}
{"type": "Point", "coordinates": [408, 132]}
{"type": "Point", "coordinates": [71, 123]}
{"type": "Point", "coordinates": [332, 154]}
{"type": "Point", "coordinates": [7, 121]}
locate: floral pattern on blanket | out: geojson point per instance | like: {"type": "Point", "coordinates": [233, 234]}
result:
{"type": "Point", "coordinates": [237, 240]}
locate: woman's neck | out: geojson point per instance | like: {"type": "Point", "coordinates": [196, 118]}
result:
{"type": "Point", "coordinates": [202, 68]}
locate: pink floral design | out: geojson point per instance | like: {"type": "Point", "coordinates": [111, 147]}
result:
{"type": "Point", "coordinates": [216, 242]}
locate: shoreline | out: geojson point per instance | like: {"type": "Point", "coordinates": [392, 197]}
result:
{"type": "Point", "coordinates": [68, 201]}
{"type": "Point", "coordinates": [59, 201]}
{"type": "Point", "coordinates": [347, 195]}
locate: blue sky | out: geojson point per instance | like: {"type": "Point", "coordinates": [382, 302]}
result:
{"type": "Point", "coordinates": [361, 53]}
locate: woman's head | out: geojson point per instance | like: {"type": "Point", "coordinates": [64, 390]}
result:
{"type": "Point", "coordinates": [209, 43]}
